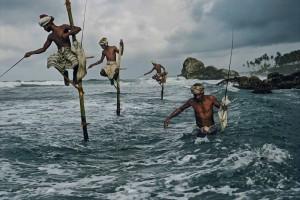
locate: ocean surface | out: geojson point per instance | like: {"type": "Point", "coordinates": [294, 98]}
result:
{"type": "Point", "coordinates": [43, 156]}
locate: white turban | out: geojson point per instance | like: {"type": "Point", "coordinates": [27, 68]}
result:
{"type": "Point", "coordinates": [44, 21]}
{"type": "Point", "coordinates": [197, 88]}
{"type": "Point", "coordinates": [103, 41]}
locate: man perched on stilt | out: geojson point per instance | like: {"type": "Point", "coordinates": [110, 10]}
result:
{"type": "Point", "coordinates": [161, 73]}
{"type": "Point", "coordinates": [111, 71]}
{"type": "Point", "coordinates": [64, 58]}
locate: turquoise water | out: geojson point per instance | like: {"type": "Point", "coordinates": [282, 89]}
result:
{"type": "Point", "coordinates": [132, 156]}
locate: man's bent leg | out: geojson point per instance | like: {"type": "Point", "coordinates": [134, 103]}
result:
{"type": "Point", "coordinates": [75, 70]}
{"type": "Point", "coordinates": [103, 73]}
{"type": "Point", "coordinates": [66, 77]}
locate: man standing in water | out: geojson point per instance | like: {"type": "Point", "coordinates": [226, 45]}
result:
{"type": "Point", "coordinates": [111, 71]}
{"type": "Point", "coordinates": [160, 76]}
{"type": "Point", "coordinates": [64, 58]}
{"type": "Point", "coordinates": [203, 108]}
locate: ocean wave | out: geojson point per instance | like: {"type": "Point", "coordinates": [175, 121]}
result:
{"type": "Point", "coordinates": [14, 84]}
{"type": "Point", "coordinates": [9, 84]}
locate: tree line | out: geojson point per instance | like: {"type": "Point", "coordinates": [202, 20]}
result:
{"type": "Point", "coordinates": [265, 62]}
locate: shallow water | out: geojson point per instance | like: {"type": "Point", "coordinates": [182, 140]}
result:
{"type": "Point", "coordinates": [132, 157]}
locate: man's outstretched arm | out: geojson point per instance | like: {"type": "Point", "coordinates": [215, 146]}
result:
{"type": "Point", "coordinates": [40, 50]}
{"type": "Point", "coordinates": [98, 62]}
{"type": "Point", "coordinates": [149, 71]}
{"type": "Point", "coordinates": [176, 112]}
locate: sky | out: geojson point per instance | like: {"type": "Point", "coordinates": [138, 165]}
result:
{"type": "Point", "coordinates": [163, 31]}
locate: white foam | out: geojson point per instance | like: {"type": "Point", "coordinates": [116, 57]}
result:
{"type": "Point", "coordinates": [273, 153]}
{"type": "Point", "coordinates": [42, 83]}
{"type": "Point", "coordinates": [9, 84]}
{"type": "Point", "coordinates": [53, 169]}
{"type": "Point", "coordinates": [12, 84]}
{"type": "Point", "coordinates": [67, 188]}
{"type": "Point", "coordinates": [249, 181]}
{"type": "Point", "coordinates": [200, 140]}
{"type": "Point", "coordinates": [186, 159]}
{"type": "Point", "coordinates": [134, 190]}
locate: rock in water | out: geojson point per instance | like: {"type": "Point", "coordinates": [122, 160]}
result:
{"type": "Point", "coordinates": [192, 68]}
{"type": "Point", "coordinates": [195, 69]}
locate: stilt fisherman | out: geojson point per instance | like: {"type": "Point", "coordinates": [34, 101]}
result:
{"type": "Point", "coordinates": [64, 58]}
{"type": "Point", "coordinates": [161, 73]}
{"type": "Point", "coordinates": [111, 71]}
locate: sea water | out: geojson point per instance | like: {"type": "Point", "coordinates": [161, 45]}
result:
{"type": "Point", "coordinates": [42, 155]}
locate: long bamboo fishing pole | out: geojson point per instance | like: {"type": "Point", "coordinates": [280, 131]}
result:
{"type": "Point", "coordinates": [11, 67]}
{"type": "Point", "coordinates": [80, 88]}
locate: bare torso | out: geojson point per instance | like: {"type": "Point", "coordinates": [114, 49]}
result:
{"type": "Point", "coordinates": [203, 110]}
{"type": "Point", "coordinates": [157, 68]}
{"type": "Point", "coordinates": [57, 36]}
{"type": "Point", "coordinates": [110, 53]}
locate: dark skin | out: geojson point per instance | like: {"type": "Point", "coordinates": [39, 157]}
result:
{"type": "Point", "coordinates": [203, 108]}
{"type": "Point", "coordinates": [109, 52]}
{"type": "Point", "coordinates": [59, 35]}
{"type": "Point", "coordinates": [157, 67]}
{"type": "Point", "coordinates": [159, 76]}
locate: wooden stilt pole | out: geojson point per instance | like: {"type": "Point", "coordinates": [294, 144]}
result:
{"type": "Point", "coordinates": [79, 88]}
{"type": "Point", "coordinates": [118, 96]}
{"type": "Point", "coordinates": [162, 92]}
{"type": "Point", "coordinates": [118, 111]}
{"type": "Point", "coordinates": [82, 112]}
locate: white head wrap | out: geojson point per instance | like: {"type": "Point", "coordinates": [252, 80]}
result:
{"type": "Point", "coordinates": [197, 88]}
{"type": "Point", "coordinates": [44, 21]}
{"type": "Point", "coordinates": [103, 41]}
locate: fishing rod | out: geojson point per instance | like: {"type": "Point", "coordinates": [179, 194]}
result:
{"type": "Point", "coordinates": [83, 23]}
{"type": "Point", "coordinates": [225, 101]}
{"type": "Point", "coordinates": [12, 67]}
{"type": "Point", "coordinates": [229, 63]}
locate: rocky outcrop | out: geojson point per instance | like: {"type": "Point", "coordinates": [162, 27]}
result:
{"type": "Point", "coordinates": [279, 81]}
{"type": "Point", "coordinates": [273, 81]}
{"type": "Point", "coordinates": [195, 69]}
{"type": "Point", "coordinates": [192, 68]}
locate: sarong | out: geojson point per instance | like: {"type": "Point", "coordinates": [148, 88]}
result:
{"type": "Point", "coordinates": [207, 130]}
{"type": "Point", "coordinates": [110, 69]}
{"type": "Point", "coordinates": [160, 77]}
{"type": "Point", "coordinates": [63, 59]}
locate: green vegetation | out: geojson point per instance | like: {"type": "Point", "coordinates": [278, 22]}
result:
{"type": "Point", "coordinates": [279, 63]}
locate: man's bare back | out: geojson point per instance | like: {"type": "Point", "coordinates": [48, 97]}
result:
{"type": "Point", "coordinates": [157, 67]}
{"type": "Point", "coordinates": [160, 76]}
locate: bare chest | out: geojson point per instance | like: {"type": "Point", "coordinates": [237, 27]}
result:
{"type": "Point", "coordinates": [202, 107]}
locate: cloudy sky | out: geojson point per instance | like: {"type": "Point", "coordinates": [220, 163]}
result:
{"type": "Point", "coordinates": [166, 31]}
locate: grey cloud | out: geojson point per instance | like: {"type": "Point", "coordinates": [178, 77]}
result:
{"type": "Point", "coordinates": [270, 21]}
{"type": "Point", "coordinates": [23, 12]}
{"type": "Point", "coordinates": [255, 23]}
